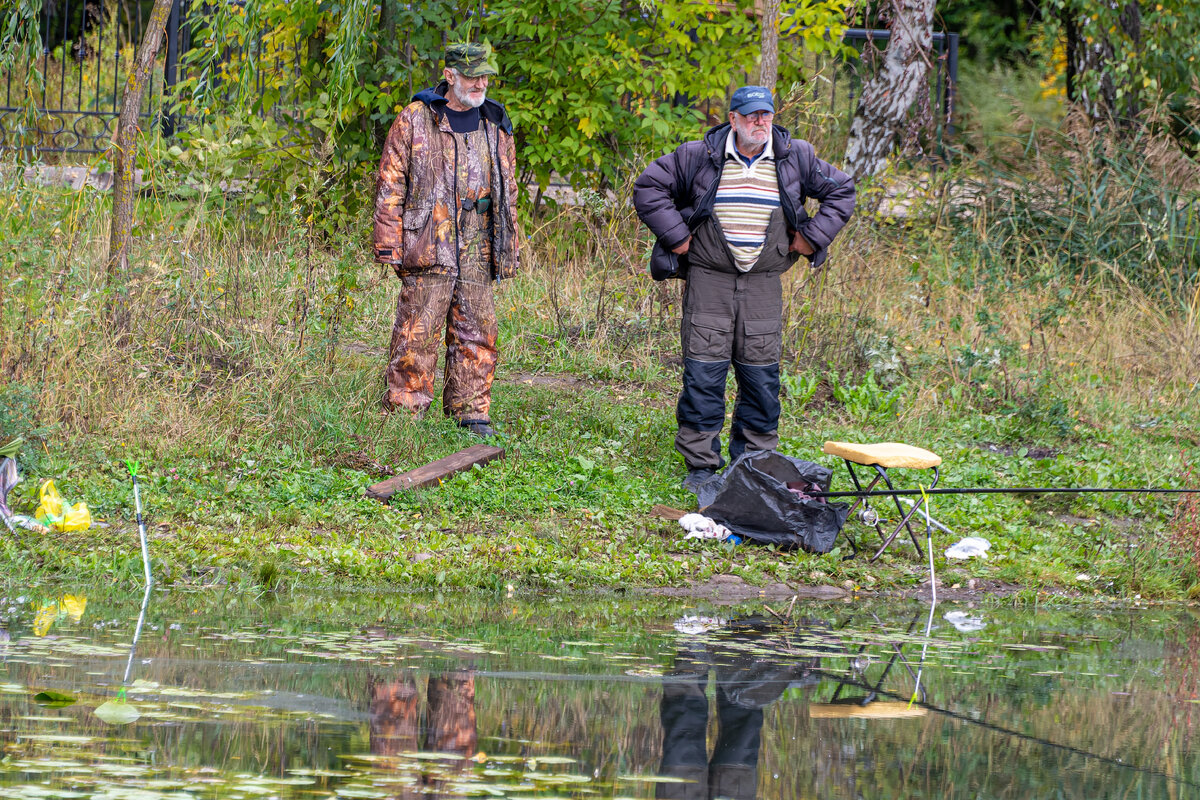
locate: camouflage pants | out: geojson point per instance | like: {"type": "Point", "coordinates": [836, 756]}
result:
{"type": "Point", "coordinates": [464, 305]}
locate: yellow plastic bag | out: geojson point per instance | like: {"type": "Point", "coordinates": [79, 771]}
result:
{"type": "Point", "coordinates": [60, 516]}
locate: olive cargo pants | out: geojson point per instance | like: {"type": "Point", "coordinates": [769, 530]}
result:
{"type": "Point", "coordinates": [728, 318]}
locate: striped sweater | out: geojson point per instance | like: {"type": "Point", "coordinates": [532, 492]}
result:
{"type": "Point", "coordinates": [746, 196]}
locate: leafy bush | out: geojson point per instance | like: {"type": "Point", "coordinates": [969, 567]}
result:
{"type": "Point", "coordinates": [301, 96]}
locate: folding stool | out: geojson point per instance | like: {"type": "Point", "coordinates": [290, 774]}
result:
{"type": "Point", "coordinates": [885, 456]}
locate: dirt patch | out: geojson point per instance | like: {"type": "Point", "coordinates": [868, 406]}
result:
{"type": "Point", "coordinates": [364, 349]}
{"type": "Point", "coordinates": [957, 591]}
{"type": "Point", "coordinates": [554, 380]}
{"type": "Point", "coordinates": [1015, 450]}
{"type": "Point", "coordinates": [732, 589]}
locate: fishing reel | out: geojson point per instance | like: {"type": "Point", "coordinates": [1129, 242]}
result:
{"type": "Point", "coordinates": [868, 516]}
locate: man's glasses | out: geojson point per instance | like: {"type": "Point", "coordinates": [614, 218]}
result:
{"type": "Point", "coordinates": [759, 116]}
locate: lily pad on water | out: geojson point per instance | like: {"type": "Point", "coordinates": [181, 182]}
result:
{"type": "Point", "coordinates": [433, 756]}
{"type": "Point", "coordinates": [53, 699]}
{"type": "Point", "coordinates": [118, 713]}
{"type": "Point", "coordinates": [653, 779]}
{"type": "Point", "coordinates": [365, 792]}
{"type": "Point", "coordinates": [553, 760]}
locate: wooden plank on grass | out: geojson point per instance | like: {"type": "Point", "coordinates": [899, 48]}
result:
{"type": "Point", "coordinates": [435, 473]}
{"type": "Point", "coordinates": [666, 512]}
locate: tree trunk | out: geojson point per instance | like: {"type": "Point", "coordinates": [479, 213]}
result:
{"type": "Point", "coordinates": [125, 145]}
{"type": "Point", "coordinates": [888, 95]}
{"type": "Point", "coordinates": [768, 72]}
{"type": "Point", "coordinates": [1092, 81]}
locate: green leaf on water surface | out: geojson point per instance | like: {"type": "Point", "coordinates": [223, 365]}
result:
{"type": "Point", "coordinates": [34, 791]}
{"type": "Point", "coordinates": [555, 780]}
{"type": "Point", "coordinates": [433, 756]}
{"type": "Point", "coordinates": [115, 713]}
{"type": "Point", "coordinates": [652, 779]}
{"type": "Point", "coordinates": [365, 792]}
{"type": "Point", "coordinates": [322, 773]}
{"type": "Point", "coordinates": [58, 738]}
{"type": "Point", "coordinates": [53, 699]}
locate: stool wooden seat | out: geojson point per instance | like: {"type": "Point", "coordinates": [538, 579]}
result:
{"type": "Point", "coordinates": [881, 457]}
{"type": "Point", "coordinates": [888, 455]}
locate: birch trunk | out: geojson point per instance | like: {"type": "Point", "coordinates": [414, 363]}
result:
{"type": "Point", "coordinates": [125, 147]}
{"type": "Point", "coordinates": [887, 97]}
{"type": "Point", "coordinates": [768, 72]}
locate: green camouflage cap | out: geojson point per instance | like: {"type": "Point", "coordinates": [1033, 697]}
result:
{"type": "Point", "coordinates": [472, 59]}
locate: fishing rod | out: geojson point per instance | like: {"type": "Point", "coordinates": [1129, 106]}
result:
{"type": "Point", "coordinates": [1001, 490]}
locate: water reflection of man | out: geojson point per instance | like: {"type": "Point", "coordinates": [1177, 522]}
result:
{"type": "Point", "coordinates": [746, 684]}
{"type": "Point", "coordinates": [395, 715]}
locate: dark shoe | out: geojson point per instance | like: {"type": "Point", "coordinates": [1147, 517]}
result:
{"type": "Point", "coordinates": [480, 427]}
{"type": "Point", "coordinates": [704, 483]}
{"type": "Point", "coordinates": [696, 478]}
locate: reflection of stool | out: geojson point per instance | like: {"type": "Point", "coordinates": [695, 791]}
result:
{"type": "Point", "coordinates": [867, 705]}
{"type": "Point", "coordinates": [883, 457]}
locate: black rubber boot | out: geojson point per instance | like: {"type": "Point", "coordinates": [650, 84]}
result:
{"type": "Point", "coordinates": [480, 427]}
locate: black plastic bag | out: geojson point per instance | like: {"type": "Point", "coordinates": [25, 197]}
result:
{"type": "Point", "coordinates": [755, 502]}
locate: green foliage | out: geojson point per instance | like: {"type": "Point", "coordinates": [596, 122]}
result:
{"type": "Point", "coordinates": [866, 400]}
{"type": "Point", "coordinates": [1148, 51]}
{"type": "Point", "coordinates": [20, 37]}
{"type": "Point", "coordinates": [991, 30]}
{"type": "Point", "coordinates": [301, 97]}
{"type": "Point", "coordinates": [800, 387]}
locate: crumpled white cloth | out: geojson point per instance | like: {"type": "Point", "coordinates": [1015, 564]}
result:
{"type": "Point", "coordinates": [964, 621]}
{"type": "Point", "coordinates": [699, 526]}
{"type": "Point", "coordinates": [970, 547]}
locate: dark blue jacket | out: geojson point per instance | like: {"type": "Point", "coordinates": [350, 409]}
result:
{"type": "Point", "coordinates": [675, 194]}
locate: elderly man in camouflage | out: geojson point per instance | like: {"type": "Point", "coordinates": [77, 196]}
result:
{"type": "Point", "coordinates": [446, 220]}
{"type": "Point", "coordinates": [728, 212]}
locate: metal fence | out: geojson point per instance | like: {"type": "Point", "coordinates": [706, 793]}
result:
{"type": "Point", "coordinates": [943, 83]}
{"type": "Point", "coordinates": [69, 100]}
{"type": "Point", "coordinates": [74, 106]}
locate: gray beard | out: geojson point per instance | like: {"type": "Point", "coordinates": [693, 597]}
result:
{"type": "Point", "coordinates": [467, 100]}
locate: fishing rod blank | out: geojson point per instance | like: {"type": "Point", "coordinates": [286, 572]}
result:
{"type": "Point", "coordinates": [998, 490]}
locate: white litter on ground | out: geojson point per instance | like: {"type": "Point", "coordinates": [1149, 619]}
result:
{"type": "Point", "coordinates": [970, 547]}
{"type": "Point", "coordinates": [699, 526]}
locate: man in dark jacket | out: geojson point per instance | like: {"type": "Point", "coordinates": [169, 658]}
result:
{"type": "Point", "coordinates": [446, 220]}
{"type": "Point", "coordinates": [729, 215]}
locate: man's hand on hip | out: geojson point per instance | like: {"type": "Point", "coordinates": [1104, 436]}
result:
{"type": "Point", "coordinates": [682, 248]}
{"type": "Point", "coordinates": [800, 245]}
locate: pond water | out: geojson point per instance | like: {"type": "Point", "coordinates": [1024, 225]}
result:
{"type": "Point", "coordinates": [213, 694]}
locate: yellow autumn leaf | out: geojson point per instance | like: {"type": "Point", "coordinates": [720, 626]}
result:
{"type": "Point", "coordinates": [587, 126]}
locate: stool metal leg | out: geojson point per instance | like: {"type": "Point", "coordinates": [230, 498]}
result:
{"type": "Point", "coordinates": [904, 518]}
{"type": "Point", "coordinates": [860, 501]}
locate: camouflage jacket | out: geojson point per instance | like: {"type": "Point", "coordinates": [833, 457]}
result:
{"type": "Point", "coordinates": [416, 211]}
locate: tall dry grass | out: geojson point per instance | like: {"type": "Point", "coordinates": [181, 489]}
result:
{"type": "Point", "coordinates": [247, 329]}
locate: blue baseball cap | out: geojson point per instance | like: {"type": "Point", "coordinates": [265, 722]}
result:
{"type": "Point", "coordinates": [749, 99]}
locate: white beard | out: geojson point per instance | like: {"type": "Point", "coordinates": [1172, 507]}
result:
{"type": "Point", "coordinates": [467, 99]}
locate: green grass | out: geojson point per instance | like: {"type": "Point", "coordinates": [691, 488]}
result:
{"type": "Point", "coordinates": [249, 394]}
